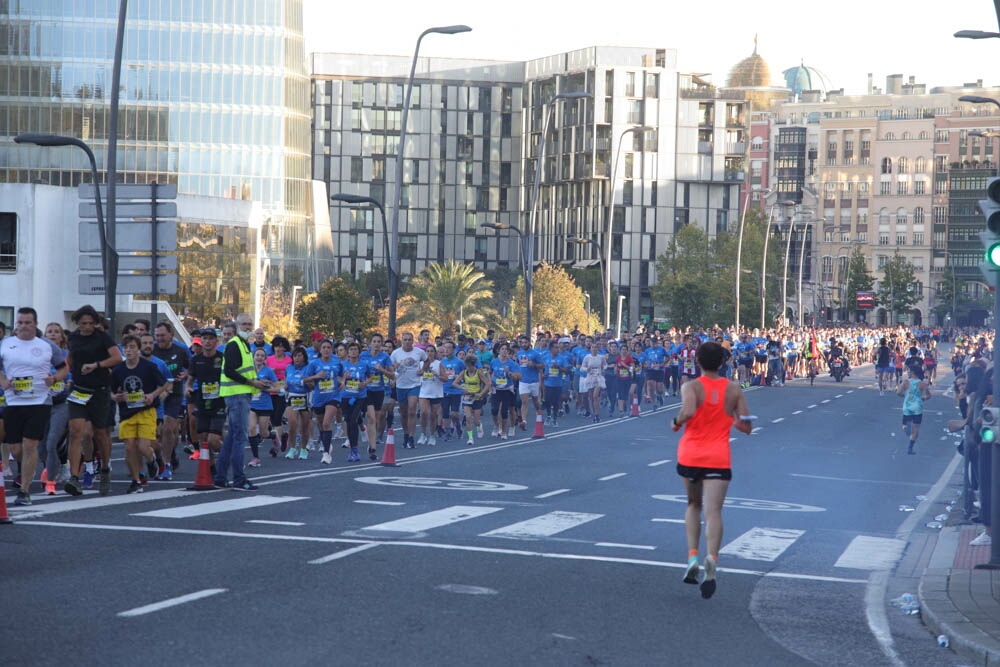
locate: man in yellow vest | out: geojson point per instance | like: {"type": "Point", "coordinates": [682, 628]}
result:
{"type": "Point", "coordinates": [239, 381]}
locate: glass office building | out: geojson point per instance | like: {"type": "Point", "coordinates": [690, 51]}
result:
{"type": "Point", "coordinates": [214, 97]}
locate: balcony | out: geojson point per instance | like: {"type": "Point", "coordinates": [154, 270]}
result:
{"type": "Point", "coordinates": [736, 148]}
{"type": "Point", "coordinates": [705, 147]}
{"type": "Point", "coordinates": [733, 175]}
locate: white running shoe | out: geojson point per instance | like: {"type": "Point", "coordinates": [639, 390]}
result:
{"type": "Point", "coordinates": [293, 453]}
{"type": "Point", "coordinates": [495, 432]}
{"type": "Point", "coordinates": [510, 432]}
{"type": "Point", "coordinates": [479, 431]}
{"type": "Point", "coordinates": [470, 442]}
{"type": "Point", "coordinates": [327, 458]}
{"type": "Point", "coordinates": [503, 436]}
{"type": "Point", "coordinates": [983, 540]}
{"type": "Point", "coordinates": [422, 440]}
{"type": "Point", "coordinates": [432, 441]}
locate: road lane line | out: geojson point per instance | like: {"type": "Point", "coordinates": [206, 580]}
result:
{"type": "Point", "coordinates": [545, 525]}
{"type": "Point", "coordinates": [657, 463]}
{"type": "Point", "coordinates": [667, 520]}
{"type": "Point", "coordinates": [616, 545]}
{"type": "Point", "coordinates": [779, 419]}
{"type": "Point", "coordinates": [277, 523]}
{"type": "Point", "coordinates": [552, 493]}
{"type": "Point", "coordinates": [431, 545]}
{"type": "Point", "coordinates": [172, 602]}
{"type": "Point", "coordinates": [614, 476]}
{"type": "Point", "coordinates": [343, 554]}
{"type": "Point", "coordinates": [379, 502]}
{"type": "Point", "coordinates": [811, 406]}
{"type": "Point", "coordinates": [233, 505]}
{"type": "Point", "coordinates": [421, 522]}
{"type": "Point", "coordinates": [762, 543]}
{"type": "Point", "coordinates": [825, 400]}
{"type": "Point", "coordinates": [839, 396]}
{"type": "Point", "coordinates": [797, 412]}
{"type": "Point", "coordinates": [871, 553]}
{"type": "Point", "coordinates": [922, 485]}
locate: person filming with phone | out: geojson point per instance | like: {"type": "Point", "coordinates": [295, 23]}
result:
{"type": "Point", "coordinates": [710, 406]}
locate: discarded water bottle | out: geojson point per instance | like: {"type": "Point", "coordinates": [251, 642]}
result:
{"type": "Point", "coordinates": [934, 524]}
{"type": "Point", "coordinates": [907, 604]}
{"type": "Point", "coordinates": [943, 641]}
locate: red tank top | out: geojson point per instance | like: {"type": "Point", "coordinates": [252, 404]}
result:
{"type": "Point", "coordinates": [705, 441]}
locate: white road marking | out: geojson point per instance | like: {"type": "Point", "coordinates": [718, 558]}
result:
{"type": "Point", "coordinates": [825, 400]}
{"type": "Point", "coordinates": [552, 493]}
{"type": "Point", "coordinates": [797, 412]}
{"type": "Point", "coordinates": [658, 463]}
{"type": "Point", "coordinates": [429, 545]}
{"type": "Point", "coordinates": [850, 391]}
{"type": "Point", "coordinates": [871, 553]}
{"type": "Point", "coordinates": [435, 519]}
{"type": "Point", "coordinates": [614, 476]}
{"type": "Point", "coordinates": [379, 502]}
{"type": "Point", "coordinates": [668, 520]}
{"type": "Point", "coordinates": [811, 406]}
{"type": "Point", "coordinates": [865, 481]}
{"type": "Point", "coordinates": [616, 545]}
{"type": "Point", "coordinates": [779, 419]}
{"type": "Point", "coordinates": [277, 523]}
{"type": "Point", "coordinates": [343, 554]}
{"type": "Point", "coordinates": [232, 505]}
{"type": "Point", "coordinates": [762, 543]}
{"type": "Point", "coordinates": [172, 602]}
{"type": "Point", "coordinates": [93, 501]}
{"type": "Point", "coordinates": [545, 525]}
{"type": "Point", "coordinates": [756, 429]}
{"type": "Point", "coordinates": [839, 396]}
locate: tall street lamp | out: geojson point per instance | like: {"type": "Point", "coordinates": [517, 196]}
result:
{"type": "Point", "coordinates": [539, 160]}
{"type": "Point", "coordinates": [579, 240]}
{"type": "Point", "coordinates": [611, 212]}
{"type": "Point", "coordinates": [393, 276]}
{"type": "Point", "coordinates": [291, 316]}
{"type": "Point", "coordinates": [739, 249]}
{"type": "Point", "coordinates": [784, 281]}
{"type": "Point", "coordinates": [763, 264]}
{"type": "Point", "coordinates": [401, 150]}
{"type": "Point", "coordinates": [525, 266]}
{"type": "Point", "coordinates": [107, 252]}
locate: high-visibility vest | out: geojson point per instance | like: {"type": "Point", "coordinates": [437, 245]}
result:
{"type": "Point", "coordinates": [229, 387]}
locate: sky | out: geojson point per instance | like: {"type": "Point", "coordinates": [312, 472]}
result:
{"type": "Point", "coordinates": [845, 40]}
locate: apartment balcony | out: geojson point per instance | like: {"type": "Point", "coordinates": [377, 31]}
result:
{"type": "Point", "coordinates": [705, 147]}
{"type": "Point", "coordinates": [734, 175]}
{"type": "Point", "coordinates": [736, 148]}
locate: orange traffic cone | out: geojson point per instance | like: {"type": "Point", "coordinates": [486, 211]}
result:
{"type": "Point", "coordinates": [539, 430]}
{"type": "Point", "coordinates": [4, 517]}
{"type": "Point", "coordinates": [203, 480]}
{"type": "Point", "coordinates": [389, 451]}
{"type": "Point", "coordinates": [635, 407]}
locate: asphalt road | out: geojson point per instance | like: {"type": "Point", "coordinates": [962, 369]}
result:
{"type": "Point", "coordinates": [563, 551]}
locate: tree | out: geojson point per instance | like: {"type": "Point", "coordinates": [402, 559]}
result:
{"type": "Point", "coordinates": [686, 285]}
{"type": "Point", "coordinates": [590, 281]}
{"type": "Point", "coordinates": [859, 279]}
{"type": "Point", "coordinates": [557, 302]}
{"type": "Point", "coordinates": [403, 305]}
{"type": "Point", "coordinates": [275, 310]}
{"type": "Point", "coordinates": [335, 307]}
{"type": "Point", "coordinates": [896, 289]}
{"type": "Point", "coordinates": [374, 284]}
{"type": "Point", "coordinates": [504, 280]}
{"type": "Point", "coordinates": [447, 293]}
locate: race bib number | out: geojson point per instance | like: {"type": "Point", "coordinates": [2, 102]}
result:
{"type": "Point", "coordinates": [502, 382]}
{"type": "Point", "coordinates": [623, 372]}
{"type": "Point", "coordinates": [297, 401]}
{"type": "Point", "coordinates": [210, 390]}
{"type": "Point", "coordinates": [325, 386]}
{"type": "Point", "coordinates": [57, 387]}
{"type": "Point", "coordinates": [553, 370]}
{"type": "Point", "coordinates": [255, 394]}
{"type": "Point", "coordinates": [24, 387]}
{"type": "Point", "coordinates": [79, 397]}
{"type": "Point", "coordinates": [135, 399]}
{"type": "Point", "coordinates": [467, 400]}
{"type": "Point", "coordinates": [428, 375]}
{"type": "Point", "coordinates": [353, 386]}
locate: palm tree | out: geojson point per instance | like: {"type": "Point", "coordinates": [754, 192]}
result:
{"type": "Point", "coordinates": [447, 293]}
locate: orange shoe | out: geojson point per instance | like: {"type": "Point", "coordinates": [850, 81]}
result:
{"type": "Point", "coordinates": [44, 477]}
{"type": "Point", "coordinates": [195, 456]}
{"type": "Point", "coordinates": [50, 488]}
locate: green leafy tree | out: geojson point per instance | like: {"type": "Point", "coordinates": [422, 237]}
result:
{"type": "Point", "coordinates": [447, 293]}
{"type": "Point", "coordinates": [336, 306]}
{"type": "Point", "coordinates": [687, 284]}
{"type": "Point", "coordinates": [858, 279]}
{"type": "Point", "coordinates": [558, 303]}
{"type": "Point", "coordinates": [895, 290]}
{"type": "Point", "coordinates": [590, 281]}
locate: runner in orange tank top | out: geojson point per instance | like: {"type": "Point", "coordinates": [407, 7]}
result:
{"type": "Point", "coordinates": [710, 406]}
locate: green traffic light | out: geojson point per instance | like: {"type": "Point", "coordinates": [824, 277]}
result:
{"type": "Point", "coordinates": [993, 254]}
{"type": "Point", "coordinates": [989, 435]}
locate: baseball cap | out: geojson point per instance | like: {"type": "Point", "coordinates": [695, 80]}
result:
{"type": "Point", "coordinates": [481, 341]}
{"type": "Point", "coordinates": [195, 341]}
{"type": "Point", "coordinates": [316, 335]}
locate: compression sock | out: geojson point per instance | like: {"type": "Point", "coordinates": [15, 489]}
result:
{"type": "Point", "coordinates": [255, 446]}
{"type": "Point", "coordinates": [326, 438]}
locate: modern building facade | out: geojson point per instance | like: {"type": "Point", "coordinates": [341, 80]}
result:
{"type": "Point", "coordinates": [669, 145]}
{"type": "Point", "coordinates": [214, 98]}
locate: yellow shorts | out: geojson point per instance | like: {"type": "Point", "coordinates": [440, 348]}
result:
{"type": "Point", "coordinates": [140, 425]}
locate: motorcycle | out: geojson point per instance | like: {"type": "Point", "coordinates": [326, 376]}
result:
{"type": "Point", "coordinates": [837, 370]}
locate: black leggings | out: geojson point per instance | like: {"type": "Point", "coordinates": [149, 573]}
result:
{"type": "Point", "coordinates": [352, 411]}
{"type": "Point", "coordinates": [502, 403]}
{"type": "Point", "coordinates": [617, 389]}
{"type": "Point", "coordinates": [551, 400]}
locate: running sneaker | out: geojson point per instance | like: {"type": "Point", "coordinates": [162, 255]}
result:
{"type": "Point", "coordinates": [495, 432]}
{"type": "Point", "coordinates": [353, 456]}
{"type": "Point", "coordinates": [143, 479]}
{"type": "Point", "coordinates": [160, 467]}
{"type": "Point", "coordinates": [88, 479]}
{"type": "Point", "coordinates": [189, 448]}
{"type": "Point", "coordinates": [152, 469]}
{"type": "Point", "coordinates": [105, 484]}
{"type": "Point", "coordinates": [303, 454]}
{"type": "Point", "coordinates": [339, 433]}
{"type": "Point", "coordinates": [326, 459]}
{"type": "Point", "coordinates": [22, 498]}
{"type": "Point", "coordinates": [134, 487]}
{"type": "Point", "coordinates": [44, 477]}
{"type": "Point", "coordinates": [274, 452]}
{"type": "Point", "coordinates": [510, 432]}
{"type": "Point", "coordinates": [254, 463]}
{"type": "Point", "coordinates": [63, 474]}
{"type": "Point", "coordinates": [708, 583]}
{"type": "Point", "coordinates": [50, 488]}
{"type": "Point", "coordinates": [470, 442]}
{"type": "Point", "coordinates": [373, 454]}
{"type": "Point", "coordinates": [503, 436]}
{"type": "Point", "coordinates": [247, 485]}
{"type": "Point", "coordinates": [432, 441]}
{"type": "Point", "coordinates": [555, 423]}
{"type": "Point", "coordinates": [73, 486]}
{"type": "Point", "coordinates": [524, 425]}
{"type": "Point", "coordinates": [195, 456]}
{"type": "Point", "coordinates": [691, 573]}
{"type": "Point", "coordinates": [167, 474]}
{"type": "Point", "coordinates": [479, 431]}
{"type": "Point", "coordinates": [982, 540]}
{"type": "Point", "coordinates": [422, 440]}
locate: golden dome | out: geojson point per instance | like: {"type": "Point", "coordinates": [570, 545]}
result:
{"type": "Point", "coordinates": [751, 72]}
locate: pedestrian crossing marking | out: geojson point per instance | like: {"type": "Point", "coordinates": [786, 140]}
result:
{"type": "Point", "coordinates": [435, 519]}
{"type": "Point", "coordinates": [545, 525]}
{"type": "Point", "coordinates": [217, 507]}
{"type": "Point", "coordinates": [871, 553]}
{"type": "Point", "coordinates": [762, 543]}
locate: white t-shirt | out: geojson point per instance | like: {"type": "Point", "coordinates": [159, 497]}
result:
{"type": "Point", "coordinates": [431, 385]}
{"type": "Point", "coordinates": [408, 366]}
{"type": "Point", "coordinates": [26, 363]}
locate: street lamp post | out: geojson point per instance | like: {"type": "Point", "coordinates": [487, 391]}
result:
{"type": "Point", "coordinates": [291, 316]}
{"type": "Point", "coordinates": [525, 266]}
{"type": "Point", "coordinates": [529, 243]}
{"type": "Point", "coordinates": [108, 253]}
{"type": "Point", "coordinates": [611, 212]}
{"type": "Point", "coordinates": [763, 267]}
{"type": "Point", "coordinates": [586, 296]}
{"type": "Point", "coordinates": [393, 276]}
{"type": "Point", "coordinates": [400, 152]}
{"type": "Point", "coordinates": [802, 263]}
{"type": "Point", "coordinates": [784, 282]}
{"type": "Point", "coordinates": [739, 250]}
{"type": "Point", "coordinates": [600, 261]}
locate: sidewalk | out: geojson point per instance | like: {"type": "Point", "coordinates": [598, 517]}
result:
{"type": "Point", "coordinates": [959, 601]}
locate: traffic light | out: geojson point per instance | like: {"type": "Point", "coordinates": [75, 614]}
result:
{"type": "Point", "coordinates": [990, 208]}
{"type": "Point", "coordinates": [991, 424]}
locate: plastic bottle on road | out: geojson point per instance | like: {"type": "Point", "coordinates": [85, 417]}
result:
{"type": "Point", "coordinates": [943, 641]}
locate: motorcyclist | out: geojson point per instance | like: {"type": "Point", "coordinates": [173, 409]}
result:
{"type": "Point", "coordinates": [837, 352]}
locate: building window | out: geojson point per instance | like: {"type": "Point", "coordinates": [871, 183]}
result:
{"type": "Point", "coordinates": [8, 241]}
{"type": "Point", "coordinates": [902, 188]}
{"type": "Point", "coordinates": [882, 261]}
{"type": "Point", "coordinates": [470, 222]}
{"type": "Point", "coordinates": [900, 239]}
{"type": "Point", "coordinates": [919, 187]}
{"type": "Point", "coordinates": [629, 84]}
{"type": "Point", "coordinates": [407, 246]}
{"type": "Point", "coordinates": [357, 169]}
{"type": "Point", "coordinates": [918, 216]}
{"type": "Point", "coordinates": [918, 238]}
{"type": "Point", "coordinates": [378, 169]}
{"type": "Point", "coordinates": [652, 84]}
{"type": "Point", "coordinates": [902, 165]}
{"type": "Point", "coordinates": [919, 165]}
{"type": "Point", "coordinates": [883, 239]}
{"type": "Point", "coordinates": [884, 188]}
{"type": "Point", "coordinates": [886, 165]}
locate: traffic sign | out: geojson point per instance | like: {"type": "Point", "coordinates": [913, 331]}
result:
{"type": "Point", "coordinates": [91, 283]}
{"type": "Point", "coordinates": [130, 191]}
{"type": "Point", "coordinates": [132, 236]}
{"type": "Point", "coordinates": [131, 263]}
{"type": "Point", "coordinates": [164, 209]}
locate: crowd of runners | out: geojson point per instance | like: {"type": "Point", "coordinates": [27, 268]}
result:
{"type": "Point", "coordinates": [66, 393]}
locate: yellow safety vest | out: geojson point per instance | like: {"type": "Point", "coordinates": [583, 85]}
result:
{"type": "Point", "coordinates": [227, 387]}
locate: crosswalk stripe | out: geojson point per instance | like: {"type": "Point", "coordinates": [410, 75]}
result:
{"type": "Point", "coordinates": [545, 525]}
{"type": "Point", "coordinates": [761, 543]}
{"type": "Point", "coordinates": [435, 519]}
{"type": "Point", "coordinates": [220, 506]}
{"type": "Point", "coordinates": [871, 553]}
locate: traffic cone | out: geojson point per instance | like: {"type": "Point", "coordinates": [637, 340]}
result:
{"type": "Point", "coordinates": [539, 430]}
{"type": "Point", "coordinates": [4, 517]}
{"type": "Point", "coordinates": [635, 407]}
{"type": "Point", "coordinates": [203, 480]}
{"type": "Point", "coordinates": [389, 451]}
